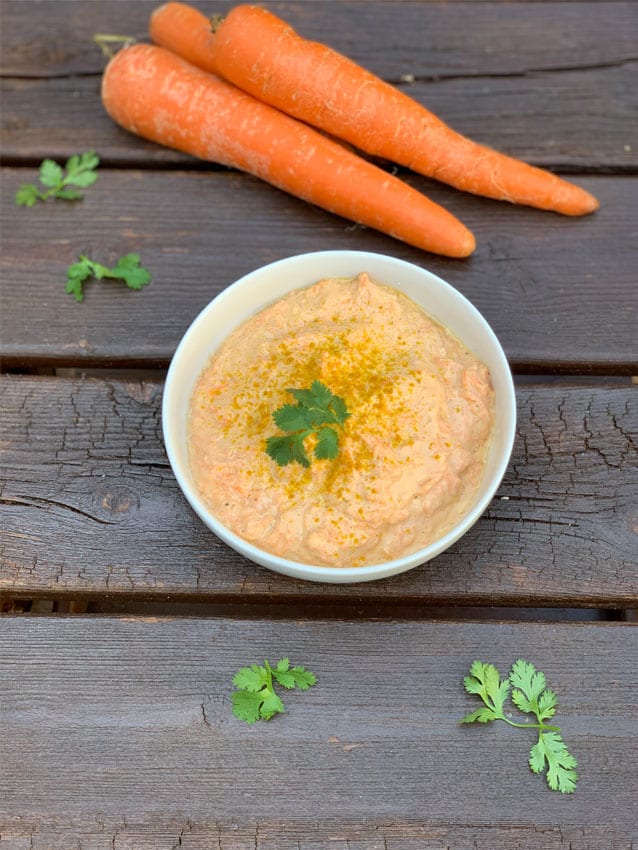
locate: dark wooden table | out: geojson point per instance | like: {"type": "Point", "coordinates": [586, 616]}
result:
{"type": "Point", "coordinates": [125, 619]}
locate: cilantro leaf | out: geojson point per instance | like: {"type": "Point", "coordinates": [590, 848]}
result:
{"type": "Point", "coordinates": [271, 704]}
{"type": "Point", "coordinates": [89, 161]}
{"type": "Point", "coordinates": [338, 406]}
{"type": "Point", "coordinates": [561, 765]}
{"type": "Point", "coordinates": [286, 449]}
{"type": "Point", "coordinates": [531, 696]}
{"type": "Point", "coordinates": [246, 705]}
{"type": "Point", "coordinates": [80, 171]}
{"type": "Point", "coordinates": [252, 706]}
{"type": "Point", "coordinates": [74, 287]}
{"type": "Point", "coordinates": [251, 678]}
{"type": "Point", "coordinates": [327, 447]}
{"type": "Point", "coordinates": [317, 396]}
{"type": "Point", "coordinates": [127, 269]}
{"type": "Point", "coordinates": [68, 195]}
{"type": "Point", "coordinates": [256, 698]}
{"type": "Point", "coordinates": [51, 174]}
{"type": "Point", "coordinates": [481, 715]}
{"type": "Point", "coordinates": [323, 407]}
{"type": "Point", "coordinates": [546, 705]}
{"type": "Point", "coordinates": [316, 411]}
{"type": "Point", "coordinates": [530, 683]}
{"type": "Point", "coordinates": [98, 270]}
{"type": "Point", "coordinates": [304, 679]}
{"type": "Point", "coordinates": [293, 677]}
{"type": "Point", "coordinates": [27, 195]}
{"type": "Point", "coordinates": [292, 417]}
{"type": "Point", "coordinates": [77, 273]}
{"type": "Point", "coordinates": [485, 681]}
{"type": "Point", "coordinates": [73, 163]}
{"type": "Point", "coordinates": [529, 691]}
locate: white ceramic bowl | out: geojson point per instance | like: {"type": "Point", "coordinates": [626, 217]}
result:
{"type": "Point", "coordinates": [261, 287]}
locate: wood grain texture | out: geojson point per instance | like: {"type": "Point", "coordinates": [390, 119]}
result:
{"type": "Point", "coordinates": [162, 833]}
{"type": "Point", "coordinates": [538, 278]}
{"type": "Point", "coordinates": [426, 39]}
{"type": "Point", "coordinates": [571, 120]}
{"type": "Point", "coordinates": [118, 733]}
{"type": "Point", "coordinates": [90, 506]}
{"type": "Point", "coordinates": [560, 96]}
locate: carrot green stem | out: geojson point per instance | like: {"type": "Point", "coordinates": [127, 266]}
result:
{"type": "Point", "coordinates": [105, 40]}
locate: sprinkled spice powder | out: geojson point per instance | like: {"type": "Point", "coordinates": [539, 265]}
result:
{"type": "Point", "coordinates": [411, 453]}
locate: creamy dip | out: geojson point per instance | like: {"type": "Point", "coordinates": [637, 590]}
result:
{"type": "Point", "coordinates": [411, 454]}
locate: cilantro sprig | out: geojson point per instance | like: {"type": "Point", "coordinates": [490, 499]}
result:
{"type": "Point", "coordinates": [128, 269]}
{"type": "Point", "coordinates": [318, 411]}
{"type": "Point", "coordinates": [531, 696]}
{"type": "Point", "coordinates": [80, 172]}
{"type": "Point", "coordinates": [256, 698]}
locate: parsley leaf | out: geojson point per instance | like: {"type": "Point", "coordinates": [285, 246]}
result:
{"type": "Point", "coordinates": [256, 698]}
{"type": "Point", "coordinates": [531, 696]}
{"type": "Point", "coordinates": [80, 171]}
{"type": "Point", "coordinates": [317, 412]}
{"type": "Point", "coordinates": [128, 269]}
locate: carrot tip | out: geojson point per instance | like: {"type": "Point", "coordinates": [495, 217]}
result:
{"type": "Point", "coordinates": [594, 204]}
{"type": "Point", "coordinates": [469, 245]}
{"type": "Point", "coordinates": [464, 245]}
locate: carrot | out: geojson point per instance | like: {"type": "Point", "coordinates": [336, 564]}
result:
{"type": "Point", "coordinates": [156, 94]}
{"type": "Point", "coordinates": [186, 31]}
{"type": "Point", "coordinates": [261, 54]}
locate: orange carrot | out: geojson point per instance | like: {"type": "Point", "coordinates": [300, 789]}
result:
{"type": "Point", "coordinates": [186, 31]}
{"type": "Point", "coordinates": [156, 94]}
{"type": "Point", "coordinates": [261, 54]}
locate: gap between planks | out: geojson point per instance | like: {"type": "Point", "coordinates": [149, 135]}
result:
{"type": "Point", "coordinates": [135, 605]}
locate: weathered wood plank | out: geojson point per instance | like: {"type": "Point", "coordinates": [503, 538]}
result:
{"type": "Point", "coordinates": [540, 279]}
{"type": "Point", "coordinates": [568, 120]}
{"type": "Point", "coordinates": [90, 506]}
{"type": "Point", "coordinates": [169, 834]}
{"type": "Point", "coordinates": [118, 733]}
{"type": "Point", "coordinates": [504, 81]}
{"type": "Point", "coordinates": [221, 834]}
{"type": "Point", "coordinates": [425, 39]}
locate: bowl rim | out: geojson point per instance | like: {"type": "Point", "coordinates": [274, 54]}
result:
{"type": "Point", "coordinates": [320, 572]}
